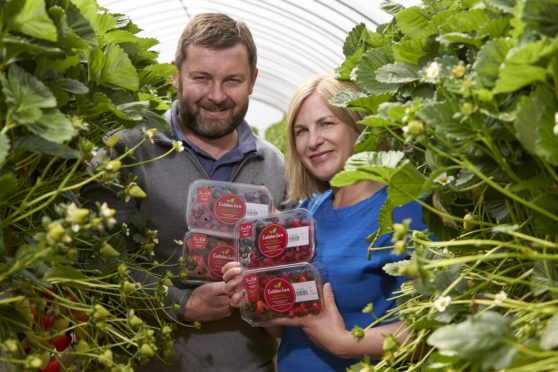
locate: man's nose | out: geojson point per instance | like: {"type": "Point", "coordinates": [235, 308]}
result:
{"type": "Point", "coordinates": [216, 93]}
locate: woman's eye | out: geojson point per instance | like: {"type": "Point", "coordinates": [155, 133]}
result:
{"type": "Point", "coordinates": [300, 131]}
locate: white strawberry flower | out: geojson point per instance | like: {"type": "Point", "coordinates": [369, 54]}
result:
{"type": "Point", "coordinates": [443, 179]}
{"type": "Point", "coordinates": [433, 71]}
{"type": "Point", "coordinates": [442, 303]}
{"type": "Point", "coordinates": [500, 297]}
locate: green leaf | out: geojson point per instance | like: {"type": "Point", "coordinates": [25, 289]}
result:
{"type": "Point", "coordinates": [406, 185]}
{"type": "Point", "coordinates": [490, 58]}
{"type": "Point", "coordinates": [465, 22]}
{"type": "Point", "coordinates": [541, 16]}
{"type": "Point", "coordinates": [355, 39]}
{"type": "Point", "coordinates": [153, 73]}
{"type": "Point", "coordinates": [118, 70]}
{"type": "Point", "coordinates": [359, 100]}
{"type": "Point", "coordinates": [121, 36]}
{"type": "Point", "coordinates": [535, 122]}
{"type": "Point", "coordinates": [63, 274]}
{"type": "Point", "coordinates": [478, 338]}
{"type": "Point", "coordinates": [41, 146]}
{"type": "Point", "coordinates": [545, 276]}
{"type": "Point", "coordinates": [415, 22]}
{"type": "Point", "coordinates": [370, 62]}
{"type": "Point", "coordinates": [391, 7]}
{"type": "Point", "coordinates": [4, 149]}
{"type": "Point", "coordinates": [69, 85]}
{"type": "Point", "coordinates": [8, 184]}
{"type": "Point", "coordinates": [440, 116]}
{"type": "Point", "coordinates": [104, 23]}
{"type": "Point", "coordinates": [368, 165]}
{"type": "Point", "coordinates": [397, 73]}
{"type": "Point", "coordinates": [518, 69]}
{"type": "Point", "coordinates": [53, 126]}
{"type": "Point", "coordinates": [133, 110]}
{"type": "Point", "coordinates": [541, 224]}
{"type": "Point", "coordinates": [345, 70]}
{"type": "Point", "coordinates": [503, 5]}
{"type": "Point", "coordinates": [33, 20]}
{"type": "Point", "coordinates": [369, 139]}
{"type": "Point", "coordinates": [25, 94]}
{"type": "Point", "coordinates": [549, 336]}
{"type": "Point", "coordinates": [410, 51]}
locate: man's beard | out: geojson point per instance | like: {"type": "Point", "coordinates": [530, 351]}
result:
{"type": "Point", "coordinates": [211, 128]}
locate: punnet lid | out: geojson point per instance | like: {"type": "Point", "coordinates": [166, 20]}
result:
{"type": "Point", "coordinates": [205, 255]}
{"type": "Point", "coordinates": [275, 239]}
{"type": "Point", "coordinates": [278, 292]}
{"type": "Point", "coordinates": [216, 206]}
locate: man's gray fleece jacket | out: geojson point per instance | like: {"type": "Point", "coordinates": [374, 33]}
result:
{"type": "Point", "coordinates": [226, 345]}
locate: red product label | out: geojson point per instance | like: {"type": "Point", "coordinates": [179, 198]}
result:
{"type": "Point", "coordinates": [279, 295]}
{"type": "Point", "coordinates": [229, 208]}
{"type": "Point", "coordinates": [198, 241]}
{"type": "Point", "coordinates": [218, 257]}
{"type": "Point", "coordinates": [273, 240]}
{"type": "Point", "coordinates": [203, 195]}
{"type": "Point", "coordinates": [252, 287]}
{"type": "Point", "coordinates": [246, 230]}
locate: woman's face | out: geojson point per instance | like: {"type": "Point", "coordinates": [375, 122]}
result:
{"type": "Point", "coordinates": [323, 142]}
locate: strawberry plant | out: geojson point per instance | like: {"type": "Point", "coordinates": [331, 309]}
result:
{"type": "Point", "coordinates": [467, 93]}
{"type": "Point", "coordinates": [70, 72]}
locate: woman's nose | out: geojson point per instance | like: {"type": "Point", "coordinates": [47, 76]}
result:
{"type": "Point", "coordinates": [315, 138]}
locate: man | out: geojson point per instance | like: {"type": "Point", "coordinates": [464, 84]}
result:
{"type": "Point", "coordinates": [216, 61]}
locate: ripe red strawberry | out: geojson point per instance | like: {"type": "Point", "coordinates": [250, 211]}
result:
{"type": "Point", "coordinates": [261, 308]}
{"type": "Point", "coordinates": [301, 310]}
{"type": "Point", "coordinates": [60, 342]}
{"type": "Point", "coordinates": [315, 308]}
{"type": "Point", "coordinates": [52, 366]}
{"type": "Point", "coordinates": [292, 313]}
{"type": "Point", "coordinates": [48, 321]}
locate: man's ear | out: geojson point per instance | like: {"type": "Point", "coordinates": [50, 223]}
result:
{"type": "Point", "coordinates": [253, 81]}
{"type": "Point", "coordinates": [175, 77]}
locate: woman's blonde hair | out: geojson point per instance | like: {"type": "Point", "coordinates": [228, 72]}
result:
{"type": "Point", "coordinates": [302, 184]}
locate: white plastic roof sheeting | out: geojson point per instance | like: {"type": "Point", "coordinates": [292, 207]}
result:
{"type": "Point", "coordinates": [295, 39]}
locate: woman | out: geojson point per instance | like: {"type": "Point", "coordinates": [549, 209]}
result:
{"type": "Point", "coordinates": [320, 139]}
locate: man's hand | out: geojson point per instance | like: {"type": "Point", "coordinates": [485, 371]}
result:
{"type": "Point", "coordinates": [208, 302]}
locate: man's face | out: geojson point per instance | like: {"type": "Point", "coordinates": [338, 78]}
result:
{"type": "Point", "coordinates": [213, 88]}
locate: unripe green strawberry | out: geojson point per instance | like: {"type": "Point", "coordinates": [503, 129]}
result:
{"type": "Point", "coordinates": [467, 109]}
{"type": "Point", "coordinates": [33, 361]}
{"type": "Point", "coordinates": [108, 251]}
{"type": "Point", "coordinates": [82, 346]}
{"type": "Point", "coordinates": [128, 287]}
{"type": "Point", "coordinates": [399, 247]}
{"type": "Point", "coordinates": [469, 222]}
{"type": "Point", "coordinates": [357, 332]}
{"type": "Point", "coordinates": [114, 165]}
{"type": "Point", "coordinates": [112, 140]}
{"type": "Point", "coordinates": [136, 192]}
{"type": "Point", "coordinates": [55, 232]}
{"type": "Point", "coordinates": [148, 247]}
{"type": "Point", "coordinates": [166, 330]}
{"type": "Point", "coordinates": [389, 342]}
{"type": "Point", "coordinates": [146, 350]}
{"type": "Point", "coordinates": [61, 324]}
{"type": "Point", "coordinates": [458, 71]}
{"type": "Point", "coordinates": [135, 322]}
{"type": "Point", "coordinates": [106, 358]}
{"type": "Point", "coordinates": [10, 345]}
{"type": "Point", "coordinates": [415, 127]}
{"type": "Point", "coordinates": [77, 215]}
{"type": "Point", "coordinates": [100, 312]}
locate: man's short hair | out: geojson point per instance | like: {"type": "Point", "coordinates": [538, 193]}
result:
{"type": "Point", "coordinates": [215, 31]}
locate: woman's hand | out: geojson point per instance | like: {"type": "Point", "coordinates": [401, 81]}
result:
{"type": "Point", "coordinates": [231, 277]}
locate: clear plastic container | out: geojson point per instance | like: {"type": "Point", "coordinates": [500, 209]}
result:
{"type": "Point", "coordinates": [287, 291]}
{"type": "Point", "coordinates": [215, 206]}
{"type": "Point", "coordinates": [205, 255]}
{"type": "Point", "coordinates": [275, 239]}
